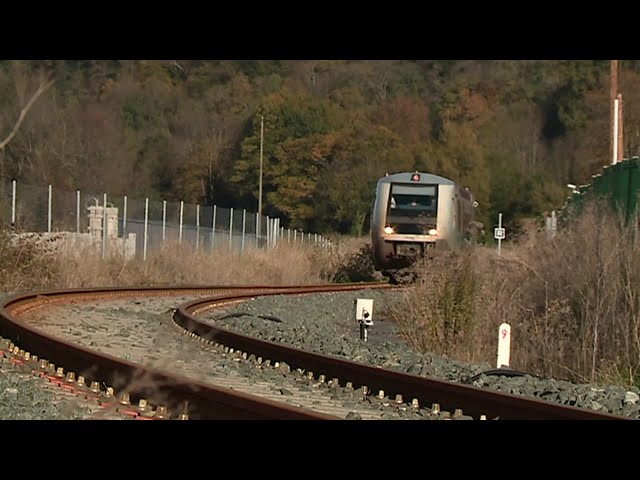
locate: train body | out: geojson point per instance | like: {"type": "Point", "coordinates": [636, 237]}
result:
{"type": "Point", "coordinates": [417, 211]}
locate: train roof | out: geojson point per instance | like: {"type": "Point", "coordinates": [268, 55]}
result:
{"type": "Point", "coordinates": [416, 177]}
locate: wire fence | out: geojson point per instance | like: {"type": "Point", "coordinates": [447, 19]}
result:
{"type": "Point", "coordinates": [140, 226]}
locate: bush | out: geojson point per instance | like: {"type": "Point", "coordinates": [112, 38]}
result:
{"type": "Point", "coordinates": [357, 268]}
{"type": "Point", "coordinates": [439, 311]}
{"type": "Point", "coordinates": [23, 264]}
{"type": "Point", "coordinates": [573, 301]}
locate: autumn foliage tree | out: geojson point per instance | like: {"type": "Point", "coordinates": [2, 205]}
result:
{"type": "Point", "coordinates": [514, 132]}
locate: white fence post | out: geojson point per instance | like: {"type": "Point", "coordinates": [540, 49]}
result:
{"type": "Point", "coordinates": [164, 220]}
{"type": "Point", "coordinates": [276, 228]}
{"type": "Point", "coordinates": [77, 211]}
{"type": "Point", "coordinates": [257, 230]}
{"type": "Point", "coordinates": [231, 229]}
{"type": "Point", "coordinates": [124, 221]}
{"type": "Point", "coordinates": [49, 212]}
{"type": "Point", "coordinates": [197, 225]}
{"type": "Point", "coordinates": [244, 225]}
{"type": "Point", "coordinates": [146, 222]}
{"type": "Point", "coordinates": [268, 236]}
{"type": "Point", "coordinates": [104, 227]}
{"type": "Point", "coordinates": [13, 202]}
{"type": "Point", "coordinates": [124, 229]}
{"type": "Point", "coordinates": [180, 228]}
{"type": "Point", "coordinates": [213, 227]}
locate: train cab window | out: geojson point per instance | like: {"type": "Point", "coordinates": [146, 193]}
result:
{"type": "Point", "coordinates": [413, 199]}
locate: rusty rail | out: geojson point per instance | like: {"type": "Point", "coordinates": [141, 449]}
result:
{"type": "Point", "coordinates": [474, 401]}
{"type": "Point", "coordinates": [203, 401]}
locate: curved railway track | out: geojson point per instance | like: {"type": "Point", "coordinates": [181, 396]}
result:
{"type": "Point", "coordinates": [178, 395]}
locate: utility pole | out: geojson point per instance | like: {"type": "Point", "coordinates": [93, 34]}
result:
{"type": "Point", "coordinates": [260, 181]}
{"type": "Point", "coordinates": [500, 235]}
{"type": "Point", "coordinates": [616, 117]}
{"type": "Point", "coordinates": [613, 117]}
{"type": "Point", "coordinates": [620, 129]}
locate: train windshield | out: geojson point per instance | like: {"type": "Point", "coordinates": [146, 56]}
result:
{"type": "Point", "coordinates": [413, 199]}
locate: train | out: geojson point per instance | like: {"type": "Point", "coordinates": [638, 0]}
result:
{"type": "Point", "coordinates": [416, 211]}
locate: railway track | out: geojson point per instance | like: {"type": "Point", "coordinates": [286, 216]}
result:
{"type": "Point", "coordinates": [317, 379]}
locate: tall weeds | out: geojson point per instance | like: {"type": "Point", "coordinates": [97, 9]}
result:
{"type": "Point", "coordinates": [26, 266]}
{"type": "Point", "coordinates": [573, 302]}
{"type": "Point", "coordinates": [23, 264]}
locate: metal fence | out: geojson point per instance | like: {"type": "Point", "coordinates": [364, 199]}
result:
{"type": "Point", "coordinates": [618, 183]}
{"type": "Point", "coordinates": [152, 223]}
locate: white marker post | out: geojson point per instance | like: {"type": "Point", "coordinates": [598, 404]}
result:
{"type": "Point", "coordinates": [499, 233]}
{"type": "Point", "coordinates": [504, 345]}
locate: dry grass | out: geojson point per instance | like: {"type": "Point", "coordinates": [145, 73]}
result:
{"type": "Point", "coordinates": [573, 302]}
{"type": "Point", "coordinates": [23, 266]}
{"type": "Point", "coordinates": [439, 313]}
{"type": "Point", "coordinates": [26, 267]}
{"type": "Point", "coordinates": [180, 265]}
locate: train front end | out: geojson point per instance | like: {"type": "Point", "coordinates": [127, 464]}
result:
{"type": "Point", "coordinates": [410, 215]}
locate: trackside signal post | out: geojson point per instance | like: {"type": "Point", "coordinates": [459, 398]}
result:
{"type": "Point", "coordinates": [364, 316]}
{"type": "Point", "coordinates": [258, 227]}
{"type": "Point", "coordinates": [499, 233]}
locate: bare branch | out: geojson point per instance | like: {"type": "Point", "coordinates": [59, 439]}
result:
{"type": "Point", "coordinates": [41, 89]}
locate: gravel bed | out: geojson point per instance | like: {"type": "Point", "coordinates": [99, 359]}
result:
{"type": "Point", "coordinates": [25, 397]}
{"type": "Point", "coordinates": [325, 323]}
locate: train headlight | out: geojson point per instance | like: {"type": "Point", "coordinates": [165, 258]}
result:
{"type": "Point", "coordinates": [388, 230]}
{"type": "Point", "coordinates": [433, 232]}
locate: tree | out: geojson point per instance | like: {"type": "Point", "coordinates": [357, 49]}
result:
{"type": "Point", "coordinates": [291, 122]}
{"type": "Point", "coordinates": [203, 169]}
{"type": "Point", "coordinates": [45, 82]}
{"type": "Point", "coordinates": [361, 154]}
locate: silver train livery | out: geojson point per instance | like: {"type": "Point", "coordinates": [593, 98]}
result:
{"type": "Point", "coordinates": [416, 211]}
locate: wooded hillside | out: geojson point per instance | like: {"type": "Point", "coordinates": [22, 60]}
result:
{"type": "Point", "coordinates": [514, 132]}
